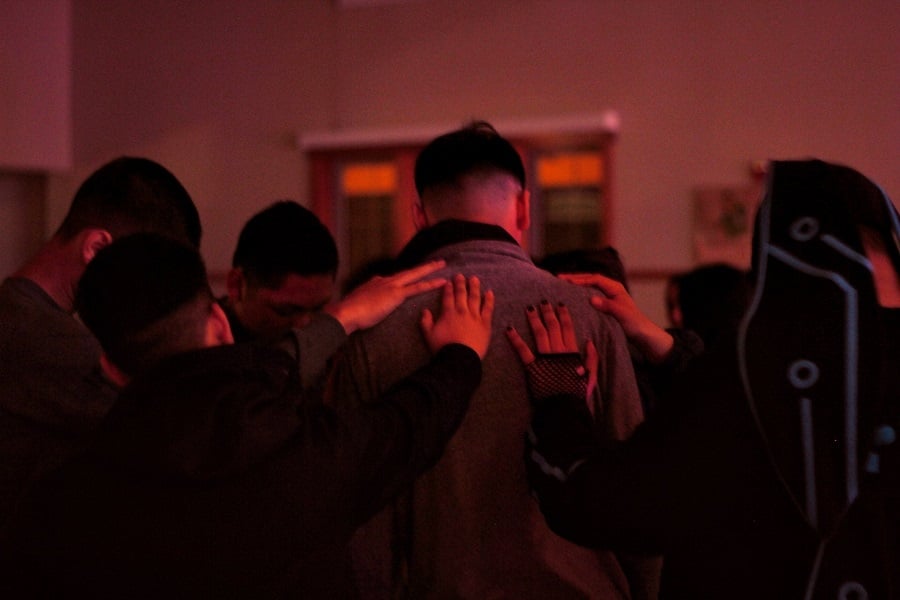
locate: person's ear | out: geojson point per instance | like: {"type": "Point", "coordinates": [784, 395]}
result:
{"type": "Point", "coordinates": [218, 329]}
{"type": "Point", "coordinates": [420, 219]}
{"type": "Point", "coordinates": [234, 284]}
{"type": "Point", "coordinates": [92, 241]}
{"type": "Point", "coordinates": [523, 210]}
{"type": "Point", "coordinates": [112, 372]}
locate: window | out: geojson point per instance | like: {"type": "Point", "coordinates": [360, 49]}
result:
{"type": "Point", "coordinates": [568, 204]}
{"type": "Point", "coordinates": [362, 186]}
{"type": "Point", "coordinates": [368, 194]}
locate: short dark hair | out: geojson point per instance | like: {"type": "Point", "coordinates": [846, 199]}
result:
{"type": "Point", "coordinates": [284, 239]}
{"type": "Point", "coordinates": [144, 297]}
{"type": "Point", "coordinates": [132, 194]}
{"type": "Point", "coordinates": [713, 298]}
{"type": "Point", "coordinates": [474, 149]}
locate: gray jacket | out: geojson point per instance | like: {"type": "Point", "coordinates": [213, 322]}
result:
{"type": "Point", "coordinates": [473, 530]}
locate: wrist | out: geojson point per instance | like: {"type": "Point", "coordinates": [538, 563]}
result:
{"type": "Point", "coordinates": [654, 342]}
{"type": "Point", "coordinates": [561, 374]}
{"type": "Point", "coordinates": [343, 316]}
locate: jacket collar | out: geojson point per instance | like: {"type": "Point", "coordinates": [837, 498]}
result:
{"type": "Point", "coordinates": [445, 233]}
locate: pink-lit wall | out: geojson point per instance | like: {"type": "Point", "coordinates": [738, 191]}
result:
{"type": "Point", "coordinates": [35, 85]}
{"type": "Point", "coordinates": [216, 90]}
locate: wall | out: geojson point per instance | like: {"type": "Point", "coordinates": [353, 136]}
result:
{"type": "Point", "coordinates": [35, 83]}
{"type": "Point", "coordinates": [35, 118]}
{"type": "Point", "coordinates": [21, 217]}
{"type": "Point", "coordinates": [215, 90]}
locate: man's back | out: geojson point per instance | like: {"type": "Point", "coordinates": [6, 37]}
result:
{"type": "Point", "coordinates": [474, 530]}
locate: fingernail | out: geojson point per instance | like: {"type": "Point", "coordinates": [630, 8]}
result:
{"type": "Point", "coordinates": [530, 308]}
{"type": "Point", "coordinates": [545, 302]}
{"type": "Point", "coordinates": [562, 304]}
{"type": "Point", "coordinates": [509, 327]}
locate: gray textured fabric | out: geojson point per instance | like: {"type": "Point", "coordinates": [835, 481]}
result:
{"type": "Point", "coordinates": [316, 343]}
{"type": "Point", "coordinates": [474, 531]}
{"type": "Point", "coordinates": [51, 391]}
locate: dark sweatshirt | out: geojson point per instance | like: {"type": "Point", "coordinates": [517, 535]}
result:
{"type": "Point", "coordinates": [215, 475]}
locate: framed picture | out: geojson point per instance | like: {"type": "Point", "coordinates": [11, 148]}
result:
{"type": "Point", "coordinates": [723, 223]}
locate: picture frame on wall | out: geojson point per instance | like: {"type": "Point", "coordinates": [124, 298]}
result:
{"type": "Point", "coordinates": [723, 223]}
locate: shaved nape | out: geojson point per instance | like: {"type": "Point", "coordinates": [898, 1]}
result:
{"type": "Point", "coordinates": [472, 197]}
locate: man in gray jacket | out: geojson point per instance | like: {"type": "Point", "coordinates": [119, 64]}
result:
{"type": "Point", "coordinates": [471, 529]}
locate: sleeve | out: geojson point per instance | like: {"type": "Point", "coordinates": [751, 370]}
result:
{"type": "Point", "coordinates": [589, 491]}
{"type": "Point", "coordinates": [678, 472]}
{"type": "Point", "coordinates": [687, 346]}
{"type": "Point", "coordinates": [404, 433]}
{"type": "Point", "coordinates": [655, 380]}
{"type": "Point", "coordinates": [353, 380]}
{"type": "Point", "coordinates": [620, 401]}
{"type": "Point", "coordinates": [313, 346]}
{"type": "Point", "coordinates": [335, 468]}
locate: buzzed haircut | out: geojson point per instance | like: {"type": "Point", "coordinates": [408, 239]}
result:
{"type": "Point", "coordinates": [285, 238]}
{"type": "Point", "coordinates": [472, 150]}
{"type": "Point", "coordinates": [131, 195]}
{"type": "Point", "coordinates": [145, 297]}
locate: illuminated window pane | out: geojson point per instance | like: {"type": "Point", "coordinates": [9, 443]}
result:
{"type": "Point", "coordinates": [570, 169]}
{"type": "Point", "coordinates": [370, 229]}
{"type": "Point", "coordinates": [569, 199]}
{"type": "Point", "coordinates": [369, 189]}
{"type": "Point", "coordinates": [571, 219]}
{"type": "Point", "coordinates": [369, 179]}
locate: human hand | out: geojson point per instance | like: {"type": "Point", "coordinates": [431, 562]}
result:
{"type": "Point", "coordinates": [465, 317]}
{"type": "Point", "coordinates": [558, 366]}
{"type": "Point", "coordinates": [374, 300]}
{"type": "Point", "coordinates": [653, 341]}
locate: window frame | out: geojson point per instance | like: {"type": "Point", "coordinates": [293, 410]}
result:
{"type": "Point", "coordinates": [328, 152]}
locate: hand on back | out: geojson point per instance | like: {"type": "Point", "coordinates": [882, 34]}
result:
{"type": "Point", "coordinates": [374, 300]}
{"type": "Point", "coordinates": [557, 351]}
{"type": "Point", "coordinates": [615, 301]}
{"type": "Point", "coordinates": [654, 342]}
{"type": "Point", "coordinates": [465, 317]}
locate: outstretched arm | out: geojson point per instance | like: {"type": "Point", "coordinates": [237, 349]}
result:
{"type": "Point", "coordinates": [560, 437]}
{"type": "Point", "coordinates": [315, 344]}
{"type": "Point", "coordinates": [405, 431]}
{"type": "Point", "coordinates": [589, 491]}
{"type": "Point", "coordinates": [374, 300]}
{"type": "Point", "coordinates": [654, 342]}
{"type": "Point", "coordinates": [642, 494]}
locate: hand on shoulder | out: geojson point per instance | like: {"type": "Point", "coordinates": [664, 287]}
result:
{"type": "Point", "coordinates": [374, 300]}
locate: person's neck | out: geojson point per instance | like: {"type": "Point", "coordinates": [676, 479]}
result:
{"type": "Point", "coordinates": [55, 271]}
{"type": "Point", "coordinates": [507, 224]}
{"type": "Point", "coordinates": [504, 218]}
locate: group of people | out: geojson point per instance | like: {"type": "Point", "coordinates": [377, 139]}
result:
{"type": "Point", "coordinates": [470, 424]}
